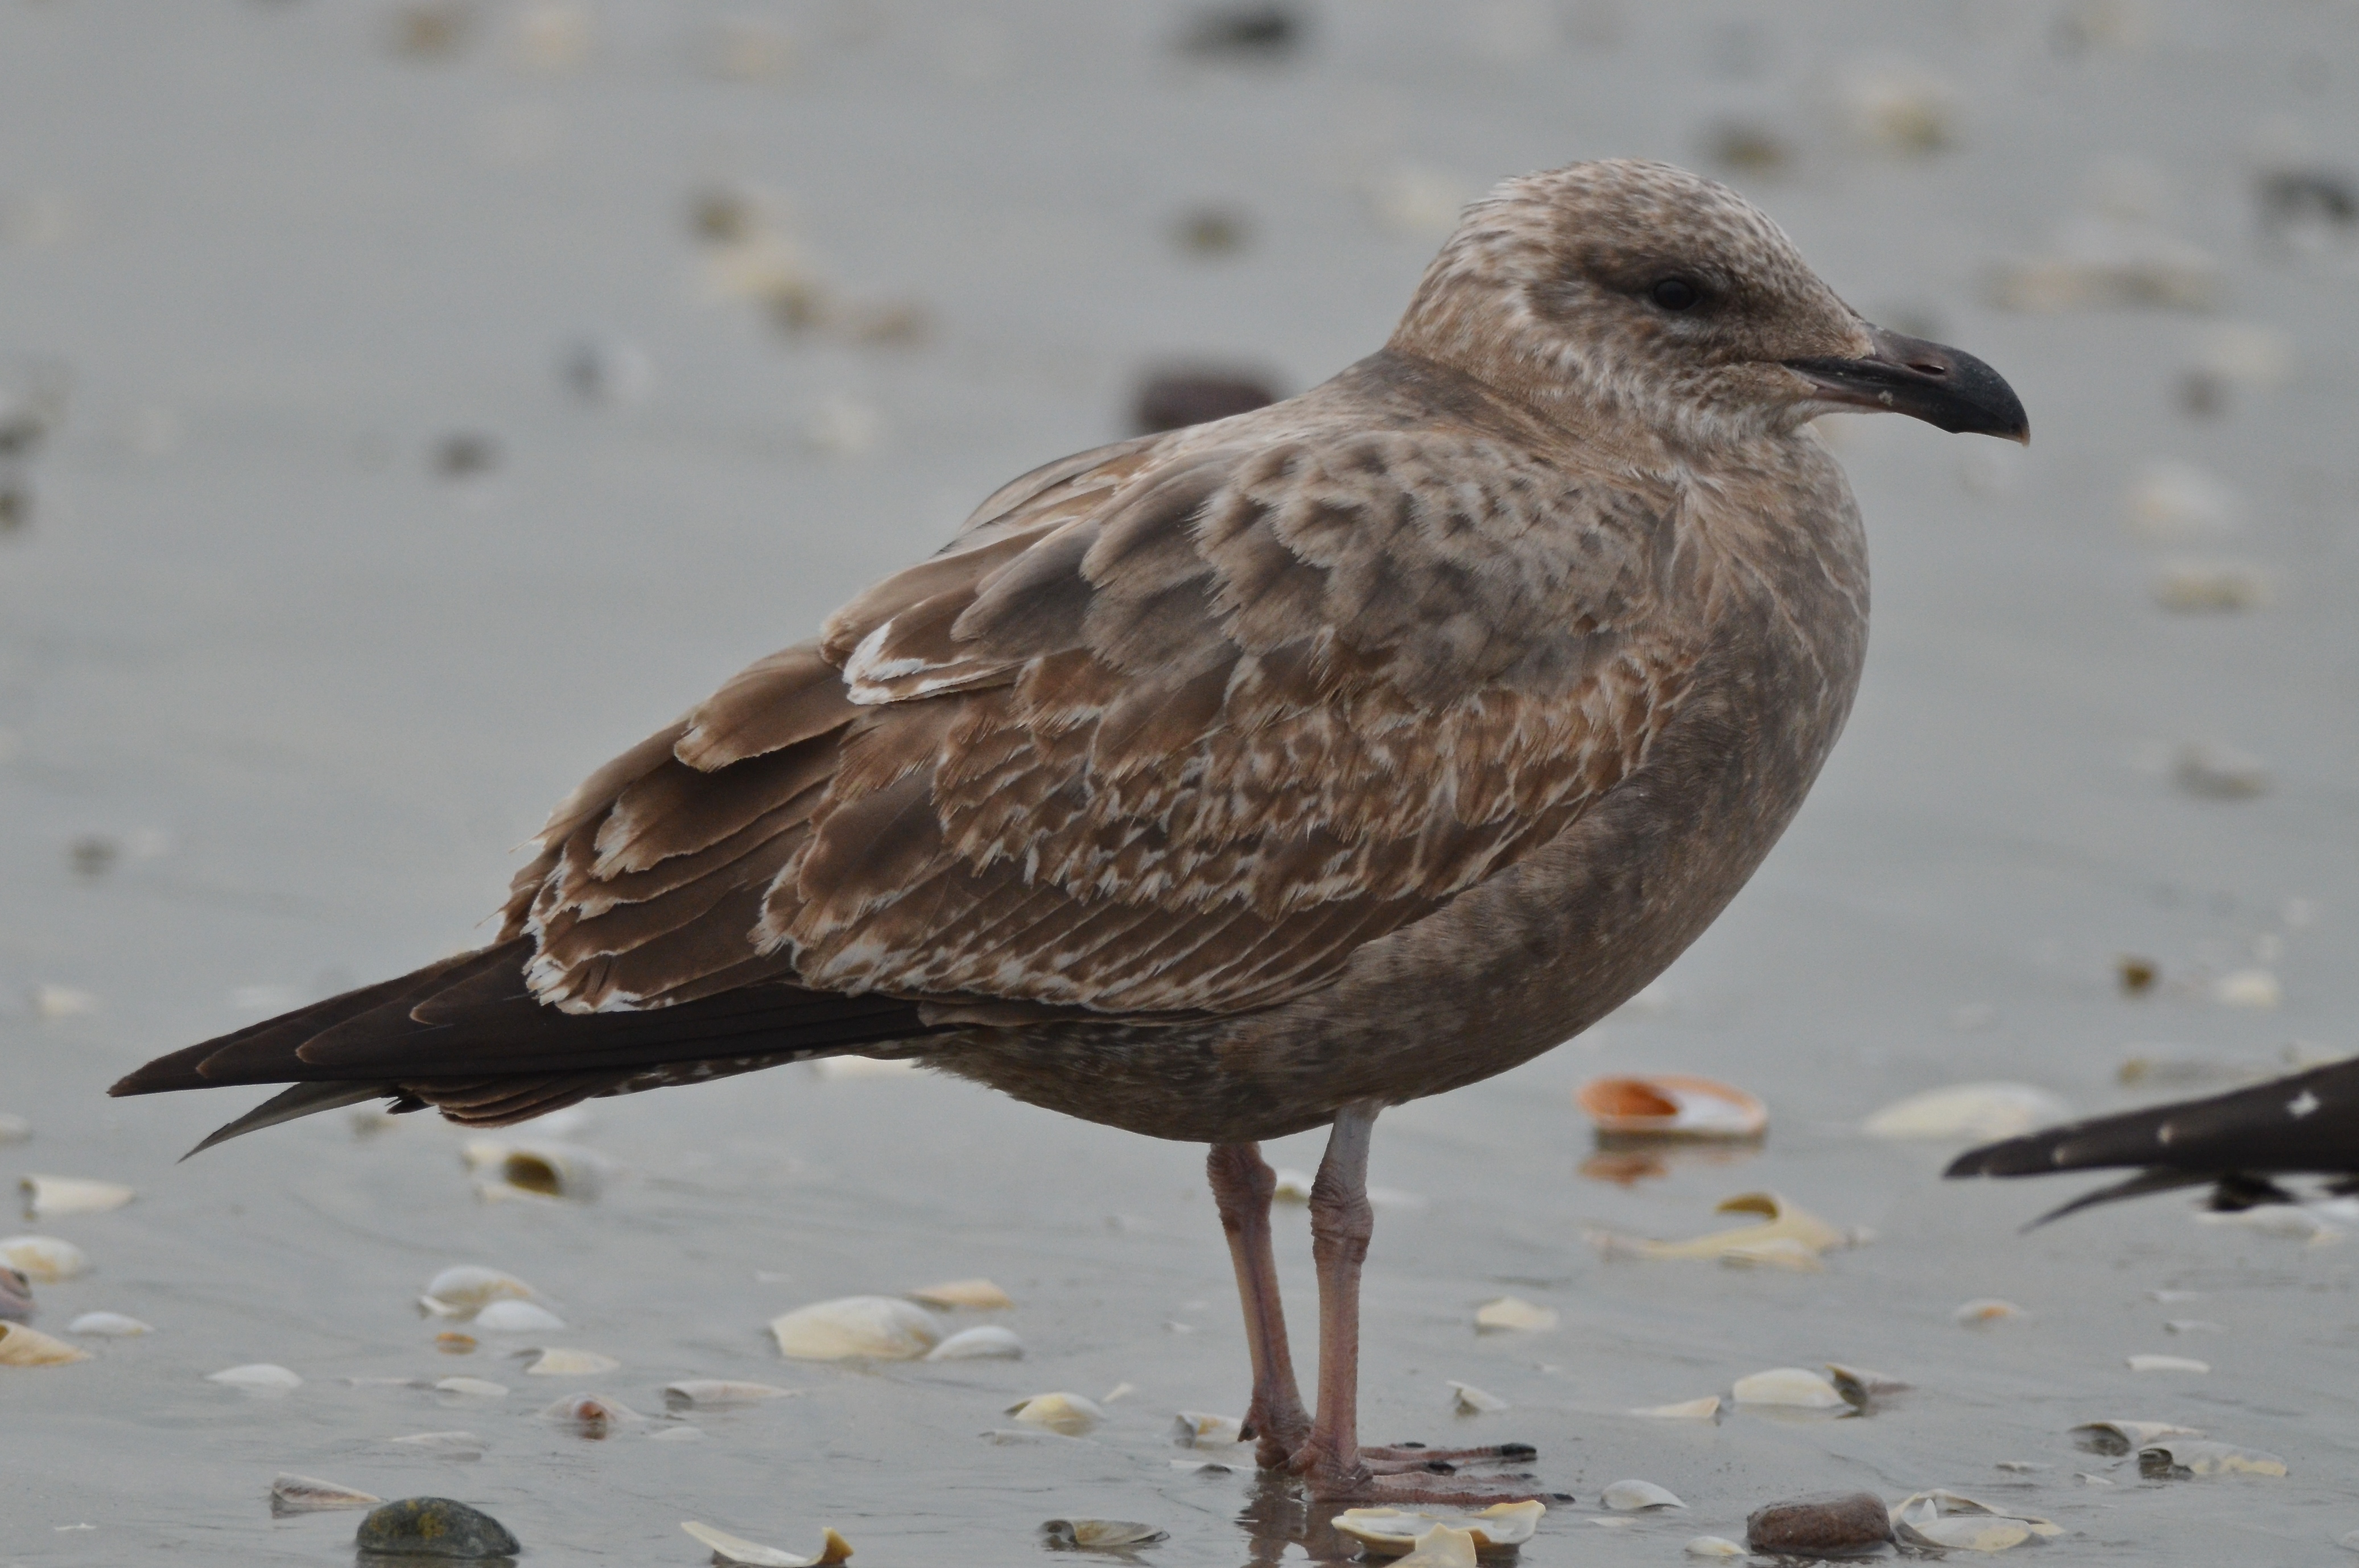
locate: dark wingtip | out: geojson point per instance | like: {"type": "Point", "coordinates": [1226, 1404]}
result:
{"type": "Point", "coordinates": [300, 1100]}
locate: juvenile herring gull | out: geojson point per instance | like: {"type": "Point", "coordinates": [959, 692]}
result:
{"type": "Point", "coordinates": [1252, 777]}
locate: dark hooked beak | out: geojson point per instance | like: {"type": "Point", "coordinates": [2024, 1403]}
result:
{"type": "Point", "coordinates": [1946, 387]}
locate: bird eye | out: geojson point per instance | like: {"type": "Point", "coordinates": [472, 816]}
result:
{"type": "Point", "coordinates": [1675, 294]}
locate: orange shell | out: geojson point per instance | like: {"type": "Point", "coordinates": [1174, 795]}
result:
{"type": "Point", "coordinates": [1672, 1105]}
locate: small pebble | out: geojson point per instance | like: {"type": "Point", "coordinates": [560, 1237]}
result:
{"type": "Point", "coordinates": [1834, 1522]}
{"type": "Point", "coordinates": [2138, 976]}
{"type": "Point", "coordinates": [435, 1527]}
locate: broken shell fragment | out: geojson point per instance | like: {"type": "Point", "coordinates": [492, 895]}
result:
{"type": "Point", "coordinates": [1513, 1313]}
{"type": "Point", "coordinates": [519, 1317]}
{"type": "Point", "coordinates": [976, 1295]}
{"type": "Point", "coordinates": [468, 1289]}
{"type": "Point", "coordinates": [1391, 1532]}
{"type": "Point", "coordinates": [2119, 1437]}
{"type": "Point", "coordinates": [44, 1260]}
{"type": "Point", "coordinates": [1792, 1388]}
{"type": "Point", "coordinates": [472, 1387]}
{"type": "Point", "coordinates": [1986, 1309]}
{"type": "Point", "coordinates": [988, 1343]}
{"type": "Point", "coordinates": [1977, 1111]}
{"type": "Point", "coordinates": [1788, 1231]}
{"type": "Point", "coordinates": [2176, 1459]}
{"type": "Point", "coordinates": [1099, 1535]}
{"type": "Point", "coordinates": [450, 1342]}
{"type": "Point", "coordinates": [22, 1347]}
{"type": "Point", "coordinates": [1860, 1386]}
{"type": "Point", "coordinates": [1666, 1105]}
{"type": "Point", "coordinates": [108, 1325]}
{"type": "Point", "coordinates": [1705, 1408]}
{"type": "Point", "coordinates": [1467, 1399]}
{"type": "Point", "coordinates": [852, 1328]}
{"type": "Point", "coordinates": [260, 1374]}
{"type": "Point", "coordinates": [291, 1494]}
{"type": "Point", "coordinates": [736, 1551]}
{"type": "Point", "coordinates": [1067, 1415]}
{"type": "Point", "coordinates": [592, 1415]}
{"type": "Point", "coordinates": [557, 1361]}
{"type": "Point", "coordinates": [46, 1196]}
{"type": "Point", "coordinates": [15, 1297]}
{"type": "Point", "coordinates": [2167, 1364]}
{"type": "Point", "coordinates": [444, 1444]}
{"type": "Point", "coordinates": [1713, 1546]}
{"type": "Point", "coordinates": [1630, 1496]}
{"type": "Point", "coordinates": [1195, 1428]}
{"type": "Point", "coordinates": [716, 1393]}
{"type": "Point", "coordinates": [1943, 1520]}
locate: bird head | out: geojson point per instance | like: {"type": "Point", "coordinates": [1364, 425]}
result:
{"type": "Point", "coordinates": [1630, 293]}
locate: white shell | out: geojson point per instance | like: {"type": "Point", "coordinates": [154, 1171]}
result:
{"type": "Point", "coordinates": [2167, 1364]}
{"type": "Point", "coordinates": [1513, 1312]}
{"type": "Point", "coordinates": [1705, 1408]}
{"type": "Point", "coordinates": [2190, 1457]}
{"type": "Point", "coordinates": [1986, 1310]}
{"type": "Point", "coordinates": [1977, 1111]}
{"type": "Point", "coordinates": [1293, 1186]}
{"type": "Point", "coordinates": [1391, 1531]}
{"type": "Point", "coordinates": [46, 1196]}
{"type": "Point", "coordinates": [519, 1317]}
{"type": "Point", "coordinates": [1714, 1546]}
{"type": "Point", "coordinates": [22, 1347]}
{"type": "Point", "coordinates": [463, 1291]}
{"type": "Point", "coordinates": [977, 1295]}
{"type": "Point", "coordinates": [1068, 1415]}
{"type": "Point", "coordinates": [1944, 1520]}
{"type": "Point", "coordinates": [474, 1387]}
{"type": "Point", "coordinates": [989, 1342]}
{"type": "Point", "coordinates": [555, 1361]}
{"type": "Point", "coordinates": [876, 1328]}
{"type": "Point", "coordinates": [108, 1325]}
{"type": "Point", "coordinates": [2244, 988]}
{"type": "Point", "coordinates": [449, 1444]}
{"type": "Point", "coordinates": [1794, 1388]}
{"type": "Point", "coordinates": [1101, 1535]}
{"type": "Point", "coordinates": [1671, 1105]}
{"type": "Point", "coordinates": [1469, 1400]}
{"type": "Point", "coordinates": [256, 1375]}
{"type": "Point", "coordinates": [1195, 1428]}
{"type": "Point", "coordinates": [292, 1493]}
{"type": "Point", "coordinates": [1629, 1496]}
{"type": "Point", "coordinates": [712, 1393]}
{"type": "Point", "coordinates": [44, 1260]}
{"type": "Point", "coordinates": [1786, 1233]}
{"type": "Point", "coordinates": [736, 1551]}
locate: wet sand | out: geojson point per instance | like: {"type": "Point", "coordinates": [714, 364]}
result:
{"type": "Point", "coordinates": [312, 690]}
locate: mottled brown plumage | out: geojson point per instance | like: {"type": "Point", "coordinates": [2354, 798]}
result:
{"type": "Point", "coordinates": [1231, 782]}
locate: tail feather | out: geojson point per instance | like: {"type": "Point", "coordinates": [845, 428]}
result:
{"type": "Point", "coordinates": [302, 1100]}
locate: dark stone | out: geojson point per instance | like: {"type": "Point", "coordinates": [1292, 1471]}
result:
{"type": "Point", "coordinates": [1832, 1523]}
{"type": "Point", "coordinates": [434, 1527]}
{"type": "Point", "coordinates": [15, 1297]}
{"type": "Point", "coordinates": [1176, 398]}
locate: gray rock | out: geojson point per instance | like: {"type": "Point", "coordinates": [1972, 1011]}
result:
{"type": "Point", "coordinates": [434, 1527]}
{"type": "Point", "coordinates": [1832, 1523]}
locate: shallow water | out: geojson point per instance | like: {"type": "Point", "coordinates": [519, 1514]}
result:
{"type": "Point", "coordinates": [313, 693]}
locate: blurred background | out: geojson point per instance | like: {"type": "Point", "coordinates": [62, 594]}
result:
{"type": "Point", "coordinates": [404, 406]}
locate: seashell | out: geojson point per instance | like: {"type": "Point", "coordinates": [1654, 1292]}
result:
{"type": "Point", "coordinates": [2119, 1437]}
{"type": "Point", "coordinates": [22, 1347]}
{"type": "Point", "coordinates": [1862, 1386]}
{"type": "Point", "coordinates": [474, 1387]}
{"type": "Point", "coordinates": [61, 1002]}
{"type": "Point", "coordinates": [291, 1494]}
{"type": "Point", "coordinates": [450, 1342]}
{"type": "Point", "coordinates": [519, 1317]}
{"type": "Point", "coordinates": [1981, 1112]}
{"type": "Point", "coordinates": [1119, 1391]}
{"type": "Point", "coordinates": [592, 1415]}
{"type": "Point", "coordinates": [1986, 1309]}
{"type": "Point", "coordinates": [1194, 1429]}
{"type": "Point", "coordinates": [1389, 1533]}
{"type": "Point", "coordinates": [735, 1552]}
{"type": "Point", "coordinates": [466, 1290]}
{"type": "Point", "coordinates": [1099, 1535]}
{"type": "Point", "coordinates": [1783, 1223]}
{"type": "Point", "coordinates": [1670, 1106]}
{"type": "Point", "coordinates": [977, 1295]}
{"type": "Point", "coordinates": [1776, 1252]}
{"type": "Point", "coordinates": [1005, 1436]}
{"type": "Point", "coordinates": [987, 1342]}
{"type": "Point", "coordinates": [1705, 1408]}
{"type": "Point", "coordinates": [2192, 1326]}
{"type": "Point", "coordinates": [1442, 1547]}
{"type": "Point", "coordinates": [555, 1361]}
{"type": "Point", "coordinates": [2214, 587]}
{"type": "Point", "coordinates": [108, 1325]}
{"type": "Point", "coordinates": [1068, 1415]}
{"type": "Point", "coordinates": [1713, 1546]}
{"type": "Point", "coordinates": [383, 1382]}
{"type": "Point", "coordinates": [46, 1196]}
{"type": "Point", "coordinates": [1943, 1520]}
{"type": "Point", "coordinates": [540, 1170]}
{"type": "Point", "coordinates": [877, 1328]}
{"type": "Point", "coordinates": [433, 1526]}
{"type": "Point", "coordinates": [1630, 1496]}
{"type": "Point", "coordinates": [1292, 1187]}
{"type": "Point", "coordinates": [444, 1444]}
{"type": "Point", "coordinates": [1792, 1387]}
{"type": "Point", "coordinates": [15, 1297]}
{"type": "Point", "coordinates": [44, 1260]}
{"type": "Point", "coordinates": [2167, 1364]}
{"type": "Point", "coordinates": [1513, 1312]}
{"type": "Point", "coordinates": [15, 1130]}
{"type": "Point", "coordinates": [259, 1374]}
{"type": "Point", "coordinates": [1467, 1399]}
{"type": "Point", "coordinates": [716, 1393]}
{"type": "Point", "coordinates": [2176, 1459]}
{"type": "Point", "coordinates": [2247, 988]}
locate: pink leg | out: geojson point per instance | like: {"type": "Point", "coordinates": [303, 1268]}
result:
{"type": "Point", "coordinates": [1332, 1461]}
{"type": "Point", "coordinates": [1242, 1184]}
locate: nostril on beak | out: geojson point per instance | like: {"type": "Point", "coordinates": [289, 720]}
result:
{"type": "Point", "coordinates": [1929, 367]}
